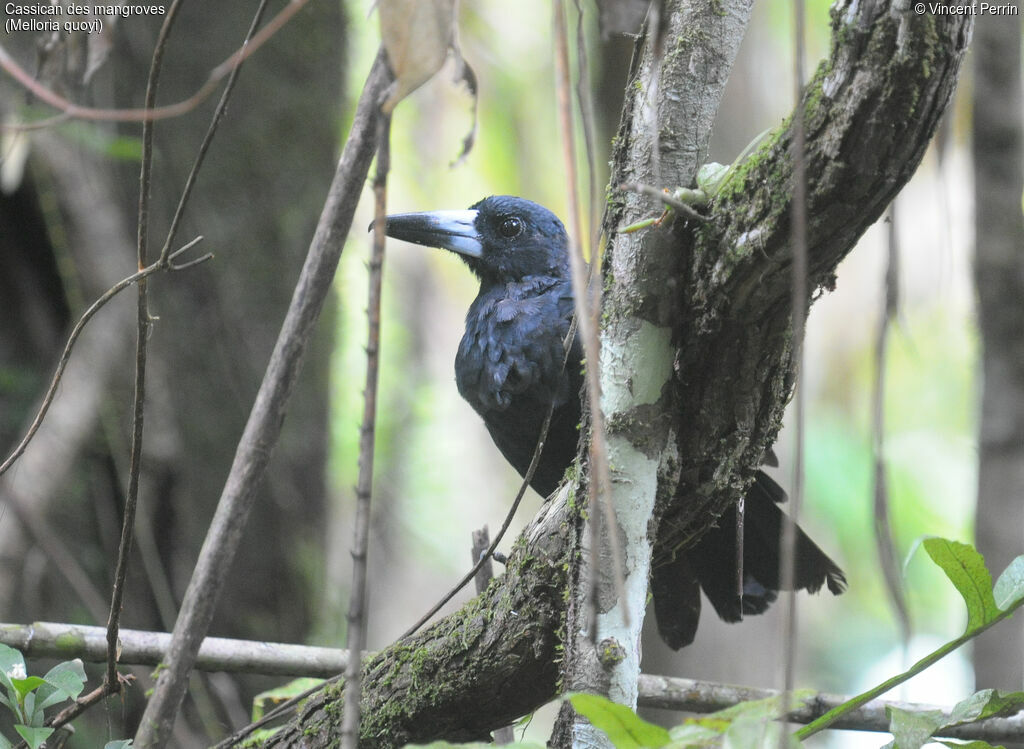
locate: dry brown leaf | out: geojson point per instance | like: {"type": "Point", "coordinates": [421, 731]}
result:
{"type": "Point", "coordinates": [417, 35]}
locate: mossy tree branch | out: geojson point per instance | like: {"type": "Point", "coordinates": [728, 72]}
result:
{"type": "Point", "coordinates": [475, 670]}
{"type": "Point", "coordinates": [870, 110]}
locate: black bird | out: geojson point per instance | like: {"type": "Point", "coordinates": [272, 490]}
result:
{"type": "Point", "coordinates": [509, 368]}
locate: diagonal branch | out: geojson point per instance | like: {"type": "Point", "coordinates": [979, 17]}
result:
{"type": "Point", "coordinates": [869, 112]}
{"type": "Point", "coordinates": [264, 424]}
{"type": "Point", "coordinates": [358, 616]}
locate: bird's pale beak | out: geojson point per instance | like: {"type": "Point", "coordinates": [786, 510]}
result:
{"type": "Point", "coordinates": [451, 230]}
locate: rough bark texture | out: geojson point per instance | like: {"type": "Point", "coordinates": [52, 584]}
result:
{"type": "Point", "coordinates": [662, 139]}
{"type": "Point", "coordinates": [999, 275]}
{"type": "Point", "coordinates": [871, 110]}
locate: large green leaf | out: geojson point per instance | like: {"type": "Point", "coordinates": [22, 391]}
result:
{"type": "Point", "coordinates": [966, 569]}
{"type": "Point", "coordinates": [912, 730]}
{"type": "Point", "coordinates": [624, 728]}
{"type": "Point", "coordinates": [26, 685]}
{"type": "Point", "coordinates": [65, 681]}
{"type": "Point", "coordinates": [34, 736]}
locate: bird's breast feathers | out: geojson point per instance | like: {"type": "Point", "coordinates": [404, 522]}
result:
{"type": "Point", "coordinates": [512, 350]}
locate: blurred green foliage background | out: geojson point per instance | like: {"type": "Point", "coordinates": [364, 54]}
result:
{"type": "Point", "coordinates": [438, 477]}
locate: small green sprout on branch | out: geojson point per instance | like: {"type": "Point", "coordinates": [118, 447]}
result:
{"type": "Point", "coordinates": [686, 200]}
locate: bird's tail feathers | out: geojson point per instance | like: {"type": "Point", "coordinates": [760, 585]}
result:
{"type": "Point", "coordinates": [711, 563]}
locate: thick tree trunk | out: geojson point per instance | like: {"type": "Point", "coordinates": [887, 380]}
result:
{"type": "Point", "coordinates": [870, 112]}
{"type": "Point", "coordinates": [999, 275]}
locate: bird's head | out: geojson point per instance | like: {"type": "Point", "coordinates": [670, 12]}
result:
{"type": "Point", "coordinates": [501, 238]}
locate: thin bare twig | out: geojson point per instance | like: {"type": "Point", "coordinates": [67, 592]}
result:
{"type": "Point", "coordinates": [111, 683]}
{"type": "Point", "coordinates": [482, 542]}
{"type": "Point", "coordinates": [587, 305]}
{"type": "Point", "coordinates": [665, 197]}
{"type": "Point", "coordinates": [264, 425]}
{"type": "Point", "coordinates": [135, 466]}
{"type": "Point", "coordinates": [357, 613]}
{"type": "Point", "coordinates": [70, 109]}
{"type": "Point", "coordinates": [798, 301]}
{"type": "Point", "coordinates": [586, 108]}
{"type": "Point", "coordinates": [884, 543]}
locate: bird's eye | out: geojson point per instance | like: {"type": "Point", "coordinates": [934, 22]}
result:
{"type": "Point", "coordinates": [511, 227]}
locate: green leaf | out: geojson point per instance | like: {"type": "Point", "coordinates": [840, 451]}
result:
{"type": "Point", "coordinates": [34, 736]}
{"type": "Point", "coordinates": [965, 568]}
{"type": "Point", "coordinates": [976, 744]}
{"type": "Point", "coordinates": [26, 685]}
{"type": "Point", "coordinates": [5, 743]}
{"type": "Point", "coordinates": [912, 730]}
{"type": "Point", "coordinates": [624, 728]}
{"type": "Point", "coordinates": [65, 681]}
{"type": "Point", "coordinates": [1009, 588]}
{"type": "Point", "coordinates": [33, 715]}
{"type": "Point", "coordinates": [124, 148]}
{"type": "Point", "coordinates": [710, 177]}
{"type": "Point", "coordinates": [755, 715]}
{"type": "Point", "coordinates": [987, 703]}
{"type": "Point", "coordinates": [265, 701]}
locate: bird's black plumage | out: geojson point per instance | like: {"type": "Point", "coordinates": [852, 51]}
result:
{"type": "Point", "coordinates": [509, 367]}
